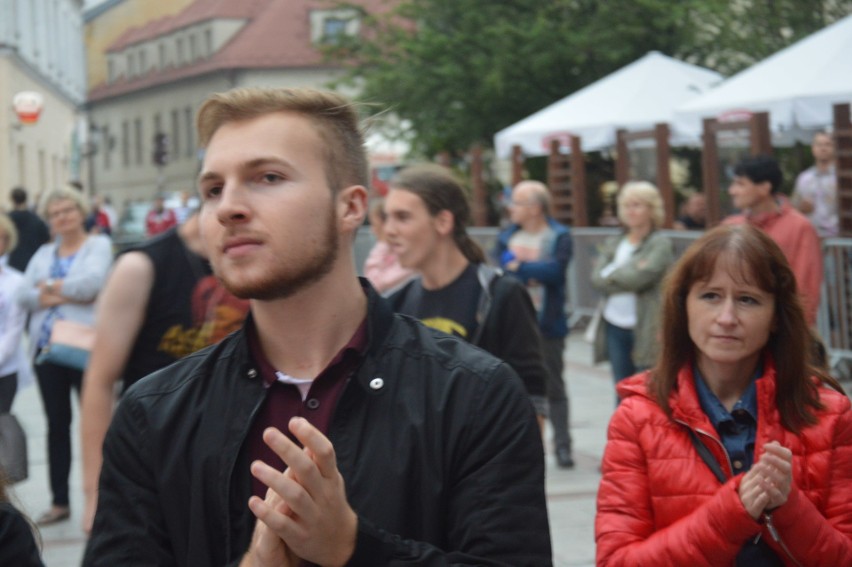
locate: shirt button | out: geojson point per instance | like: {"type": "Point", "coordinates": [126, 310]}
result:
{"type": "Point", "coordinates": [313, 403]}
{"type": "Point", "coordinates": [252, 373]}
{"type": "Point", "coordinates": [738, 465]}
{"type": "Point", "coordinates": [377, 383]}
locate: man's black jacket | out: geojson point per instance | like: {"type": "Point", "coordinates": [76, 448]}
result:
{"type": "Point", "coordinates": [436, 441]}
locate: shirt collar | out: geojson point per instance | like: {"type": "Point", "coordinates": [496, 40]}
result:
{"type": "Point", "coordinates": [714, 409]}
{"type": "Point", "coordinates": [354, 349]}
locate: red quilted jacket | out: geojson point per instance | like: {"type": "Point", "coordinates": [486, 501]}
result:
{"type": "Point", "coordinates": [659, 503]}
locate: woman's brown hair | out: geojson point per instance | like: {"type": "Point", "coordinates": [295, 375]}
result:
{"type": "Point", "coordinates": [750, 256]}
{"type": "Point", "coordinates": [441, 191]}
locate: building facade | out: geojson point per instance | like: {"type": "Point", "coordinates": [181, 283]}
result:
{"type": "Point", "coordinates": [41, 50]}
{"type": "Point", "coordinates": [158, 73]}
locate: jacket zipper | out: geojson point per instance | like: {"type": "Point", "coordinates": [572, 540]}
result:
{"type": "Point", "coordinates": [767, 518]}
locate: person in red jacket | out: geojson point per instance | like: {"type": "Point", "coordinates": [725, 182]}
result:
{"type": "Point", "coordinates": [756, 191]}
{"type": "Point", "coordinates": [159, 219]}
{"type": "Point", "coordinates": [733, 449]}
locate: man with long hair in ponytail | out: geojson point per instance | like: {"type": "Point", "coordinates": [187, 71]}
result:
{"type": "Point", "coordinates": [456, 292]}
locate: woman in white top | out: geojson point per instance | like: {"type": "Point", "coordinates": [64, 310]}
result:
{"type": "Point", "coordinates": [62, 281]}
{"type": "Point", "coordinates": [628, 273]}
{"type": "Point", "coordinates": [12, 318]}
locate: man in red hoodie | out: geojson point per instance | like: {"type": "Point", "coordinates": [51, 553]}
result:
{"type": "Point", "coordinates": [755, 191]}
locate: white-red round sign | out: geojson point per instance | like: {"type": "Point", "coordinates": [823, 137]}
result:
{"type": "Point", "coordinates": [28, 106]}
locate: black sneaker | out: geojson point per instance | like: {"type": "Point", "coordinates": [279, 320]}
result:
{"type": "Point", "coordinates": [564, 458]}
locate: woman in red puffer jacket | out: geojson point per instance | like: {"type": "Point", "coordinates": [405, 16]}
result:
{"type": "Point", "coordinates": [732, 391]}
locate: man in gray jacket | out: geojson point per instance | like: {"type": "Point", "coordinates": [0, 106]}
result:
{"type": "Point", "coordinates": [327, 431]}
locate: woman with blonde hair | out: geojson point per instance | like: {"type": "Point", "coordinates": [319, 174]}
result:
{"type": "Point", "coordinates": [734, 449]}
{"type": "Point", "coordinates": [62, 280]}
{"type": "Point", "coordinates": [628, 273]}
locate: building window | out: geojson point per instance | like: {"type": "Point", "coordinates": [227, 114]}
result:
{"type": "Point", "coordinates": [208, 41]}
{"type": "Point", "coordinates": [110, 70]}
{"type": "Point", "coordinates": [193, 53]}
{"type": "Point", "coordinates": [175, 141]}
{"type": "Point", "coordinates": [106, 147]}
{"type": "Point", "coordinates": [125, 144]}
{"type": "Point", "coordinates": [330, 26]}
{"type": "Point", "coordinates": [137, 135]}
{"type": "Point", "coordinates": [333, 29]}
{"type": "Point", "coordinates": [42, 171]}
{"type": "Point", "coordinates": [190, 130]}
{"type": "Point", "coordinates": [131, 65]}
{"type": "Point", "coordinates": [162, 52]}
{"type": "Point", "coordinates": [22, 165]}
{"type": "Point", "coordinates": [143, 62]}
{"type": "Point", "coordinates": [180, 51]}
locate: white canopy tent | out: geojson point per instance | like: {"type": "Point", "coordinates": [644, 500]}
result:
{"type": "Point", "coordinates": [636, 97]}
{"type": "Point", "coordinates": [797, 86]}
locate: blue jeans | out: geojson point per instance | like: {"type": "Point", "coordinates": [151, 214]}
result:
{"type": "Point", "coordinates": [619, 345]}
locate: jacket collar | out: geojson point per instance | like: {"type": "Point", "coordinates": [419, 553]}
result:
{"type": "Point", "coordinates": [379, 320]}
{"type": "Point", "coordinates": [556, 227]}
{"type": "Point", "coordinates": [686, 407]}
{"type": "Point", "coordinates": [762, 220]}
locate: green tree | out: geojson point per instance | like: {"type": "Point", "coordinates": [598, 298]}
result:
{"type": "Point", "coordinates": [458, 71]}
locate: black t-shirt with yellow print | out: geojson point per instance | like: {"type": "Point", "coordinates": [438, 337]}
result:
{"type": "Point", "coordinates": [451, 309]}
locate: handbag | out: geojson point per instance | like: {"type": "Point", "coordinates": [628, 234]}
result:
{"type": "Point", "coordinates": [13, 449]}
{"type": "Point", "coordinates": [70, 345]}
{"type": "Point", "coordinates": [594, 323]}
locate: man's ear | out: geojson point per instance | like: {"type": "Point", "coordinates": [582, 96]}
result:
{"type": "Point", "coordinates": [444, 222]}
{"type": "Point", "coordinates": [351, 207]}
{"type": "Point", "coordinates": [765, 188]}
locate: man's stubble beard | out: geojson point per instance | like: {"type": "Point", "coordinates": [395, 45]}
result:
{"type": "Point", "coordinates": [282, 282]}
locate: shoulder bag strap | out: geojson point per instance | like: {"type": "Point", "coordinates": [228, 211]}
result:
{"type": "Point", "coordinates": [707, 456]}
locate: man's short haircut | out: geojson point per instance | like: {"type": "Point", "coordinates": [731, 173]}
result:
{"type": "Point", "coordinates": [759, 169]}
{"type": "Point", "coordinates": [336, 120]}
{"type": "Point", "coordinates": [19, 196]}
{"type": "Point", "coordinates": [540, 193]}
{"type": "Point", "coordinates": [825, 133]}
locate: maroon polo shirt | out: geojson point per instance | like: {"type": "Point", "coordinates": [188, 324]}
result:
{"type": "Point", "coordinates": [284, 401]}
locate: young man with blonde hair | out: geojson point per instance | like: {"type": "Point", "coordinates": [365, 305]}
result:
{"type": "Point", "coordinates": [328, 430]}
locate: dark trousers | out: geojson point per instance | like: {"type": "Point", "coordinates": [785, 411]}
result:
{"type": "Point", "coordinates": [8, 389]}
{"type": "Point", "coordinates": [557, 394]}
{"type": "Point", "coordinates": [55, 383]}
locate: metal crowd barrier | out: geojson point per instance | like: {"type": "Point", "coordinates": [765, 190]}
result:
{"type": "Point", "coordinates": [834, 321]}
{"type": "Point", "coordinates": [834, 318]}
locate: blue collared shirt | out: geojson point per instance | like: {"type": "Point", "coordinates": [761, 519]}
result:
{"type": "Point", "coordinates": [737, 428]}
